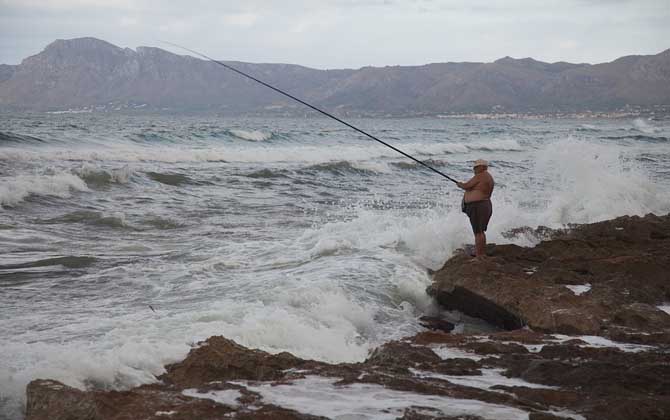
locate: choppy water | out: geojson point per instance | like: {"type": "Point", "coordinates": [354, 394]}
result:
{"type": "Point", "coordinates": [283, 234]}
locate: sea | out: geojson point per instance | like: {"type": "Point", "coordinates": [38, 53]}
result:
{"type": "Point", "coordinates": [126, 239]}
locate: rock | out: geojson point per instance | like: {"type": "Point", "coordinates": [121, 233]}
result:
{"type": "Point", "coordinates": [219, 359]}
{"type": "Point", "coordinates": [436, 324]}
{"type": "Point", "coordinates": [599, 383]}
{"type": "Point", "coordinates": [401, 355]}
{"type": "Point", "coordinates": [622, 268]}
{"type": "Point", "coordinates": [52, 400]}
{"type": "Point", "coordinates": [641, 317]}
{"type": "Point", "coordinates": [529, 369]}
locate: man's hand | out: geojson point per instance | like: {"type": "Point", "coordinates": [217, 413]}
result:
{"type": "Point", "coordinates": [461, 185]}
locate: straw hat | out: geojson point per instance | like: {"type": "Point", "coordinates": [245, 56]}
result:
{"type": "Point", "coordinates": [480, 162]}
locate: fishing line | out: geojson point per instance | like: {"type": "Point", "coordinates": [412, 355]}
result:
{"type": "Point", "coordinates": [229, 67]}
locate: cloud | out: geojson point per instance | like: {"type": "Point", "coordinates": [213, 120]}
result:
{"type": "Point", "coordinates": [128, 21]}
{"type": "Point", "coordinates": [349, 33]}
{"type": "Point", "coordinates": [240, 19]}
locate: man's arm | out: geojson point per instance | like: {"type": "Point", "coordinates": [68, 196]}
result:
{"type": "Point", "coordinates": [470, 184]}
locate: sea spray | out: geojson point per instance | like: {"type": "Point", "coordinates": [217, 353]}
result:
{"type": "Point", "coordinates": [326, 259]}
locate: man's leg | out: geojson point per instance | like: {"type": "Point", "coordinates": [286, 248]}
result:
{"type": "Point", "coordinates": [480, 244]}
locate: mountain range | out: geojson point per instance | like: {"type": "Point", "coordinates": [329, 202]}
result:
{"type": "Point", "coordinates": [88, 73]}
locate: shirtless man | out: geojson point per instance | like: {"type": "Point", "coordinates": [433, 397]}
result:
{"type": "Point", "coordinates": [477, 203]}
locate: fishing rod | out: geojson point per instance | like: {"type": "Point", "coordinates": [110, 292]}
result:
{"type": "Point", "coordinates": [229, 67]}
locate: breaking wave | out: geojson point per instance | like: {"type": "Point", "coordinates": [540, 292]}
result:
{"type": "Point", "coordinates": [343, 167]}
{"type": "Point", "coordinates": [69, 262]}
{"type": "Point", "coordinates": [9, 137]}
{"type": "Point", "coordinates": [250, 135]}
{"type": "Point", "coordinates": [324, 266]}
{"type": "Point", "coordinates": [645, 127]}
{"type": "Point", "coordinates": [89, 217]}
{"type": "Point", "coordinates": [96, 177]}
{"type": "Point", "coordinates": [641, 137]}
{"type": "Point", "coordinates": [171, 178]}
{"type": "Point", "coordinates": [266, 173]}
{"type": "Point", "coordinates": [252, 154]}
{"type": "Point", "coordinates": [14, 190]}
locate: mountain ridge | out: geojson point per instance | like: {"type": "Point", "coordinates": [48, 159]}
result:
{"type": "Point", "coordinates": [91, 73]}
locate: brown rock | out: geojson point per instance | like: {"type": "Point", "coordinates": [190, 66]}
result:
{"type": "Point", "coordinates": [626, 261]}
{"type": "Point", "coordinates": [47, 399]}
{"type": "Point", "coordinates": [436, 324]}
{"type": "Point", "coordinates": [220, 359]}
{"type": "Point", "coordinates": [401, 355]}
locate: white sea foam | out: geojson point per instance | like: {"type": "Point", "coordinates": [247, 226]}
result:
{"type": "Point", "coordinates": [579, 289]}
{"type": "Point", "coordinates": [644, 126]}
{"type": "Point", "coordinates": [132, 152]}
{"type": "Point", "coordinates": [446, 352]}
{"type": "Point", "coordinates": [488, 379]}
{"type": "Point", "coordinates": [96, 174]}
{"type": "Point", "coordinates": [589, 182]}
{"type": "Point", "coordinates": [495, 145]}
{"type": "Point", "coordinates": [597, 341]}
{"type": "Point", "coordinates": [331, 292]}
{"type": "Point", "coordinates": [226, 397]}
{"type": "Point", "coordinates": [321, 397]}
{"type": "Point", "coordinates": [313, 323]}
{"type": "Point", "coordinates": [254, 135]}
{"type": "Point", "coordinates": [665, 308]}
{"type": "Point", "coordinates": [15, 189]}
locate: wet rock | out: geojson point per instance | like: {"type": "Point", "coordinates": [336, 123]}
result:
{"type": "Point", "coordinates": [566, 377]}
{"type": "Point", "coordinates": [436, 324]}
{"type": "Point", "coordinates": [641, 317]}
{"type": "Point", "coordinates": [622, 268]}
{"type": "Point", "coordinates": [625, 262]}
{"type": "Point", "coordinates": [47, 399]}
{"type": "Point", "coordinates": [401, 355]}
{"type": "Point", "coordinates": [219, 359]}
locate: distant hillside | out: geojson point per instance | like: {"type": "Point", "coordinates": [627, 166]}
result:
{"type": "Point", "coordinates": [87, 72]}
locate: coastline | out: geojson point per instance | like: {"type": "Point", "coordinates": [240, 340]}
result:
{"type": "Point", "coordinates": [565, 350]}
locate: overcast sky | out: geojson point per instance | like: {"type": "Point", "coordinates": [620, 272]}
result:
{"type": "Point", "coordinates": [349, 33]}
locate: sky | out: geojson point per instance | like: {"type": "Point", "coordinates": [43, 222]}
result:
{"type": "Point", "coordinates": [329, 34]}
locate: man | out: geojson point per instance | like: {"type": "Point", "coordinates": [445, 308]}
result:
{"type": "Point", "coordinates": [477, 203]}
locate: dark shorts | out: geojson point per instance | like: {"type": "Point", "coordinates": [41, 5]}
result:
{"type": "Point", "coordinates": [479, 213]}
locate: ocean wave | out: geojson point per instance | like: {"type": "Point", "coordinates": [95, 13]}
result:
{"type": "Point", "coordinates": [587, 128]}
{"type": "Point", "coordinates": [149, 137]}
{"type": "Point", "coordinates": [16, 189]}
{"type": "Point", "coordinates": [413, 165]}
{"type": "Point", "coordinates": [498, 145]}
{"type": "Point", "coordinates": [643, 126]}
{"type": "Point", "coordinates": [588, 182]}
{"type": "Point", "coordinates": [251, 154]}
{"type": "Point", "coordinates": [254, 135]}
{"type": "Point", "coordinates": [90, 217]}
{"type": "Point", "coordinates": [171, 178]}
{"type": "Point", "coordinates": [10, 137]}
{"type": "Point", "coordinates": [68, 262]}
{"type": "Point", "coordinates": [162, 223]}
{"type": "Point", "coordinates": [344, 167]}
{"type": "Point", "coordinates": [97, 177]}
{"type": "Point", "coordinates": [640, 137]}
{"type": "Point", "coordinates": [267, 173]}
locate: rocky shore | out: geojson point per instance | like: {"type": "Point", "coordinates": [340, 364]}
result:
{"type": "Point", "coordinates": [584, 334]}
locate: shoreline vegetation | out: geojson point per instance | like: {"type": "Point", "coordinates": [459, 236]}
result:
{"type": "Point", "coordinates": [584, 320]}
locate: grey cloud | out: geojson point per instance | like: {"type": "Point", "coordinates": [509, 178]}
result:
{"type": "Point", "coordinates": [349, 33]}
